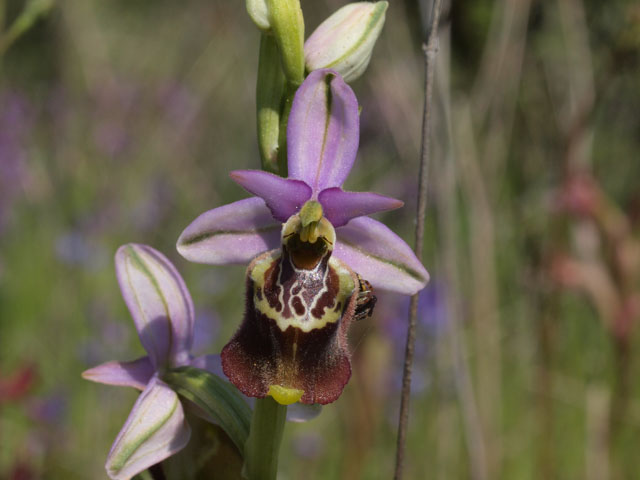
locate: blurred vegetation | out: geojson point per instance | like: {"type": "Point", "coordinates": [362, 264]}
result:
{"type": "Point", "coordinates": [120, 120]}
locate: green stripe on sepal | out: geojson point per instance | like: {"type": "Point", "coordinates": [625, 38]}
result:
{"type": "Point", "coordinates": [403, 267]}
{"type": "Point", "coordinates": [217, 397]}
{"type": "Point", "coordinates": [201, 237]}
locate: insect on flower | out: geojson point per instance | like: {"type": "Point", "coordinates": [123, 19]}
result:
{"type": "Point", "coordinates": [366, 300]}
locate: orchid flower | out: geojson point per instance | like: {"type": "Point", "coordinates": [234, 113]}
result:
{"type": "Point", "coordinates": [322, 142]}
{"type": "Point", "coordinates": [162, 311]}
{"type": "Point", "coordinates": [303, 295]}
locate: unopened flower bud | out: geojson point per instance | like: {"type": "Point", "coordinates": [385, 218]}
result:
{"type": "Point", "coordinates": [345, 40]}
{"type": "Point", "coordinates": [259, 13]}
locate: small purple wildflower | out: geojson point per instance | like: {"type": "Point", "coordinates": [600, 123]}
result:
{"type": "Point", "coordinates": [49, 410]}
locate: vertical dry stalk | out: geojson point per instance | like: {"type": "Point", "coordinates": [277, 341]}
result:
{"type": "Point", "coordinates": [430, 50]}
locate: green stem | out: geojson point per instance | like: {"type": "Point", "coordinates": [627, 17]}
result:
{"type": "Point", "coordinates": [31, 13]}
{"type": "Point", "coordinates": [269, 93]}
{"type": "Point", "coordinates": [3, 13]}
{"type": "Point", "coordinates": [263, 445]}
{"type": "Point", "coordinates": [290, 92]}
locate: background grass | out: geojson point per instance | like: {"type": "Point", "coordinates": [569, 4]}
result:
{"type": "Point", "coordinates": [120, 120]}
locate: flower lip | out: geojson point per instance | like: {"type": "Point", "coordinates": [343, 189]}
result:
{"type": "Point", "coordinates": [296, 337]}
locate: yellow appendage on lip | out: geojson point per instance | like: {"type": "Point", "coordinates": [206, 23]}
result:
{"type": "Point", "coordinates": [310, 215]}
{"type": "Point", "coordinates": [284, 395]}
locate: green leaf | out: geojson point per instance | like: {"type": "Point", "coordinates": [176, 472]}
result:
{"type": "Point", "coordinates": [217, 397]}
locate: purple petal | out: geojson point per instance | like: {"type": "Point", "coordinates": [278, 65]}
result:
{"type": "Point", "coordinates": [234, 233]}
{"type": "Point", "coordinates": [155, 430]}
{"type": "Point", "coordinates": [283, 196]}
{"type": "Point", "coordinates": [323, 131]}
{"type": "Point", "coordinates": [211, 363]}
{"type": "Point", "coordinates": [136, 373]}
{"type": "Point", "coordinates": [340, 206]}
{"type": "Point", "coordinates": [159, 303]}
{"type": "Point", "coordinates": [380, 256]}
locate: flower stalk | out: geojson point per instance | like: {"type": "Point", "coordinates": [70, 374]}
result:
{"type": "Point", "coordinates": [429, 49]}
{"type": "Point", "coordinates": [263, 445]}
{"type": "Point", "coordinates": [287, 25]}
{"type": "Point", "coordinates": [269, 90]}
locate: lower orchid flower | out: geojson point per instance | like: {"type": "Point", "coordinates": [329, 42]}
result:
{"type": "Point", "coordinates": [162, 311]}
{"type": "Point", "coordinates": [302, 296]}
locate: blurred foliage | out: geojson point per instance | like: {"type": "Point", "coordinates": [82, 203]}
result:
{"type": "Point", "coordinates": [119, 122]}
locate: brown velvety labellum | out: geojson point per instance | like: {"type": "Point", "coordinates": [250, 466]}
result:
{"type": "Point", "coordinates": [294, 332]}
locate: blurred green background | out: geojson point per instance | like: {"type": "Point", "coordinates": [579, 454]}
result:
{"type": "Point", "coordinates": [120, 120]}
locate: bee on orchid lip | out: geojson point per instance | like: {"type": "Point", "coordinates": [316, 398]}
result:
{"type": "Point", "coordinates": [365, 301]}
